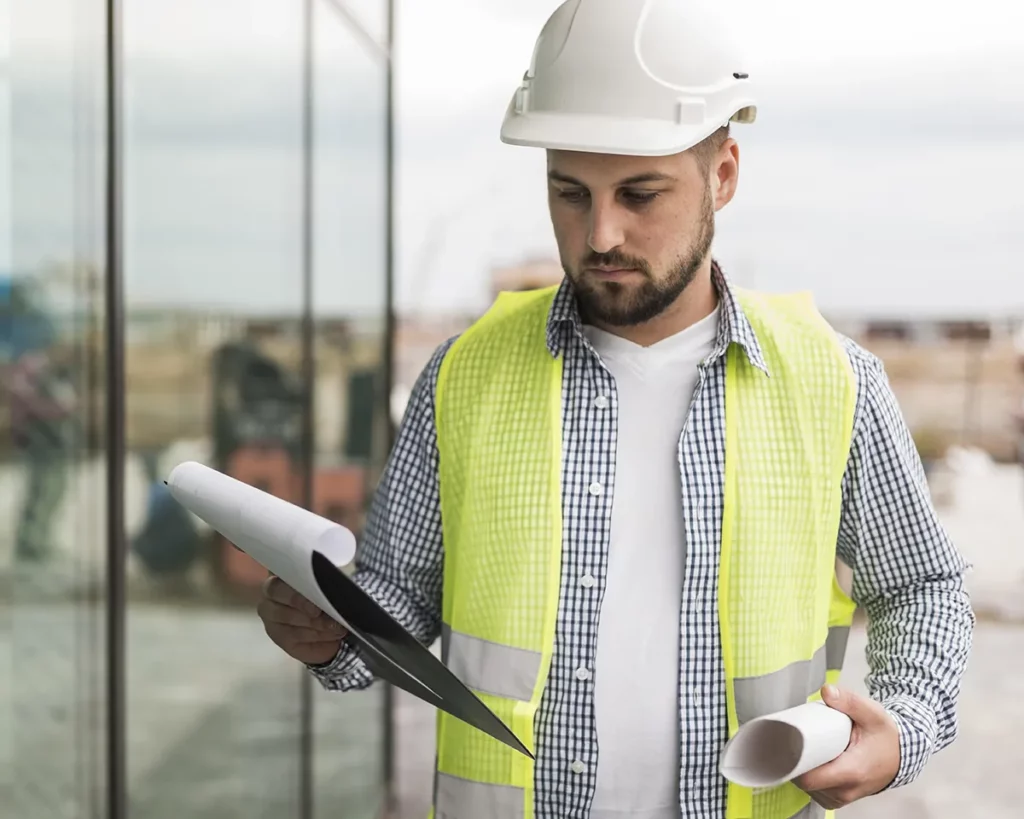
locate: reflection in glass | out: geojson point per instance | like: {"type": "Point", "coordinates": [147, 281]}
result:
{"type": "Point", "coordinates": [214, 360]}
{"type": "Point", "coordinates": [350, 310]}
{"type": "Point", "coordinates": [52, 529]}
{"type": "Point", "coordinates": [213, 302]}
{"type": "Point", "coordinates": [214, 369]}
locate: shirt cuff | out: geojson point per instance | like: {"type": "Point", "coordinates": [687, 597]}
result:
{"type": "Point", "coordinates": [346, 672]}
{"type": "Point", "coordinates": [917, 731]}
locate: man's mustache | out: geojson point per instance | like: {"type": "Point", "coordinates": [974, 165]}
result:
{"type": "Point", "coordinates": [614, 259]}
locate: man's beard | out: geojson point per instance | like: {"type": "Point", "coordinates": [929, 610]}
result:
{"type": "Point", "coordinates": [617, 305]}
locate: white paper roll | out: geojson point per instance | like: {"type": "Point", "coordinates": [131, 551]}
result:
{"type": "Point", "coordinates": [278, 535]}
{"type": "Point", "coordinates": [777, 748]}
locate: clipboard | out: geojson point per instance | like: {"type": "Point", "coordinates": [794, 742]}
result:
{"type": "Point", "coordinates": [305, 551]}
{"type": "Point", "coordinates": [403, 660]}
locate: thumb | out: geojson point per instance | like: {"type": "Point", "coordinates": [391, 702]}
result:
{"type": "Point", "coordinates": [861, 710]}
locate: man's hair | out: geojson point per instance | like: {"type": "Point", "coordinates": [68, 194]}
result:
{"type": "Point", "coordinates": [705, 150]}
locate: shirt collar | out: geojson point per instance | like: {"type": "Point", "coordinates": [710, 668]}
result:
{"type": "Point", "coordinates": [564, 321]}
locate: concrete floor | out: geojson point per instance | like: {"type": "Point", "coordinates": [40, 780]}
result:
{"type": "Point", "coordinates": [213, 721]}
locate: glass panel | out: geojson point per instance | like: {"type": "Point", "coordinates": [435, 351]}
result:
{"type": "Point", "coordinates": [370, 16]}
{"type": "Point", "coordinates": [351, 419]}
{"type": "Point", "coordinates": [52, 468]}
{"type": "Point", "coordinates": [214, 301]}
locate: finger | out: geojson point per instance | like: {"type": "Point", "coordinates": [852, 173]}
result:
{"type": "Point", "coordinates": [274, 588]}
{"type": "Point", "coordinates": [296, 635]}
{"type": "Point", "coordinates": [864, 711]}
{"type": "Point", "coordinates": [841, 772]}
{"type": "Point", "coordinates": [273, 612]}
{"type": "Point", "coordinates": [277, 590]}
{"type": "Point", "coordinates": [287, 636]}
{"type": "Point", "coordinates": [270, 611]}
{"type": "Point", "coordinates": [278, 614]}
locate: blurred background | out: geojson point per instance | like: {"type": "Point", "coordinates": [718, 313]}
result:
{"type": "Point", "coordinates": [274, 273]}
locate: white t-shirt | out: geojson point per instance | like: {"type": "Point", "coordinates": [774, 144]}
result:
{"type": "Point", "coordinates": [636, 674]}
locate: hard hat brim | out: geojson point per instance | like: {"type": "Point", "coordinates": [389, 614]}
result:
{"type": "Point", "coordinates": [606, 135]}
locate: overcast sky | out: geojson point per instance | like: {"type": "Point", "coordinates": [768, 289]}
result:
{"type": "Point", "coordinates": [885, 171]}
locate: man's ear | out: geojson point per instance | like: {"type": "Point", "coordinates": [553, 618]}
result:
{"type": "Point", "coordinates": [725, 173]}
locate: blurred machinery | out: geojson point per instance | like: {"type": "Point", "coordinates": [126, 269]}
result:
{"type": "Point", "coordinates": [257, 420]}
{"type": "Point", "coordinates": [256, 403]}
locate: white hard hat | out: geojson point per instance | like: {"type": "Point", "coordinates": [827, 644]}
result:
{"type": "Point", "coordinates": [635, 77]}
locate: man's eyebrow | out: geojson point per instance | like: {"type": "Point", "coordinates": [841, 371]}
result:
{"type": "Point", "coordinates": [557, 176]}
{"type": "Point", "coordinates": [650, 176]}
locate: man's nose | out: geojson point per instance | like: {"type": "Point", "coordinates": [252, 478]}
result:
{"type": "Point", "coordinates": [606, 231]}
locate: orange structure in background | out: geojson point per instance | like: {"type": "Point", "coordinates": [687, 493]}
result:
{"type": "Point", "coordinates": [529, 275]}
{"type": "Point", "coordinates": [339, 494]}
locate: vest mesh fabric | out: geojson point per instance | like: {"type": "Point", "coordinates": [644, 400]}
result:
{"type": "Point", "coordinates": [788, 434]}
{"type": "Point", "coordinates": [499, 412]}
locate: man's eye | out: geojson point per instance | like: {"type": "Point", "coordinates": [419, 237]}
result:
{"type": "Point", "coordinates": [572, 196]}
{"type": "Point", "coordinates": [640, 197]}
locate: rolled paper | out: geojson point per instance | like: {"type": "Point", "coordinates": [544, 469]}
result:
{"type": "Point", "coordinates": [779, 747]}
{"type": "Point", "coordinates": [278, 535]}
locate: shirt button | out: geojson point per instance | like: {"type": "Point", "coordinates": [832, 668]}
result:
{"type": "Point", "coordinates": [587, 581]}
{"type": "Point", "coordinates": [601, 402]}
{"type": "Point", "coordinates": [582, 674]}
{"type": "Point", "coordinates": [696, 695]}
{"type": "Point", "coordinates": [596, 488]}
{"type": "Point", "coordinates": [578, 767]}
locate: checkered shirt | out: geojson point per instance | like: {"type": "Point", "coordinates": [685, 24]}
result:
{"type": "Point", "coordinates": [908, 576]}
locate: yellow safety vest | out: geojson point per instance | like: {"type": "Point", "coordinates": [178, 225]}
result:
{"type": "Point", "coordinates": [783, 617]}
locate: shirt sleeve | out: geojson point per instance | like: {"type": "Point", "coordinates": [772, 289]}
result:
{"type": "Point", "coordinates": [399, 562]}
{"type": "Point", "coordinates": [908, 576]}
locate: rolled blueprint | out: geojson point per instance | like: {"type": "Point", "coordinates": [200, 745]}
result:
{"type": "Point", "coordinates": [779, 747]}
{"type": "Point", "coordinates": [258, 523]}
{"type": "Point", "coordinates": [306, 551]}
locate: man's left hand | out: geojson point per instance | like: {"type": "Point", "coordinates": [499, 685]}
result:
{"type": "Point", "coordinates": [869, 763]}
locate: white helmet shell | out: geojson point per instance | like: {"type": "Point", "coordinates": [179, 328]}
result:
{"type": "Point", "coordinates": [634, 77]}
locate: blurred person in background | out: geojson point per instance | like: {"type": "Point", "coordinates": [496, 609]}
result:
{"type": "Point", "coordinates": [640, 508]}
{"type": "Point", "coordinates": [38, 390]}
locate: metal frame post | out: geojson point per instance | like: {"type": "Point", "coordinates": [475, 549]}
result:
{"type": "Point", "coordinates": [117, 800]}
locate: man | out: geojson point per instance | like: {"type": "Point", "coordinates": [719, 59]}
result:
{"type": "Point", "coordinates": [34, 376]}
{"type": "Point", "coordinates": [629, 506]}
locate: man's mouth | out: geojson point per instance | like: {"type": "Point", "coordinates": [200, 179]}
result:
{"type": "Point", "coordinates": [611, 273]}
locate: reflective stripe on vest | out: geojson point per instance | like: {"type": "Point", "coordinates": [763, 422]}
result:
{"type": "Point", "coordinates": [490, 667]}
{"type": "Point", "coordinates": [458, 798]}
{"type": "Point", "coordinates": [510, 672]}
{"type": "Point", "coordinates": [783, 616]}
{"type": "Point", "coordinates": [792, 685]}
{"type": "Point", "coordinates": [498, 417]}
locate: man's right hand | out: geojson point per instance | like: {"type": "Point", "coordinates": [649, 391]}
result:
{"type": "Point", "coordinates": [298, 626]}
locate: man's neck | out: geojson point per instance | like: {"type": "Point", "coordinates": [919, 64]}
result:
{"type": "Point", "coordinates": [696, 302]}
